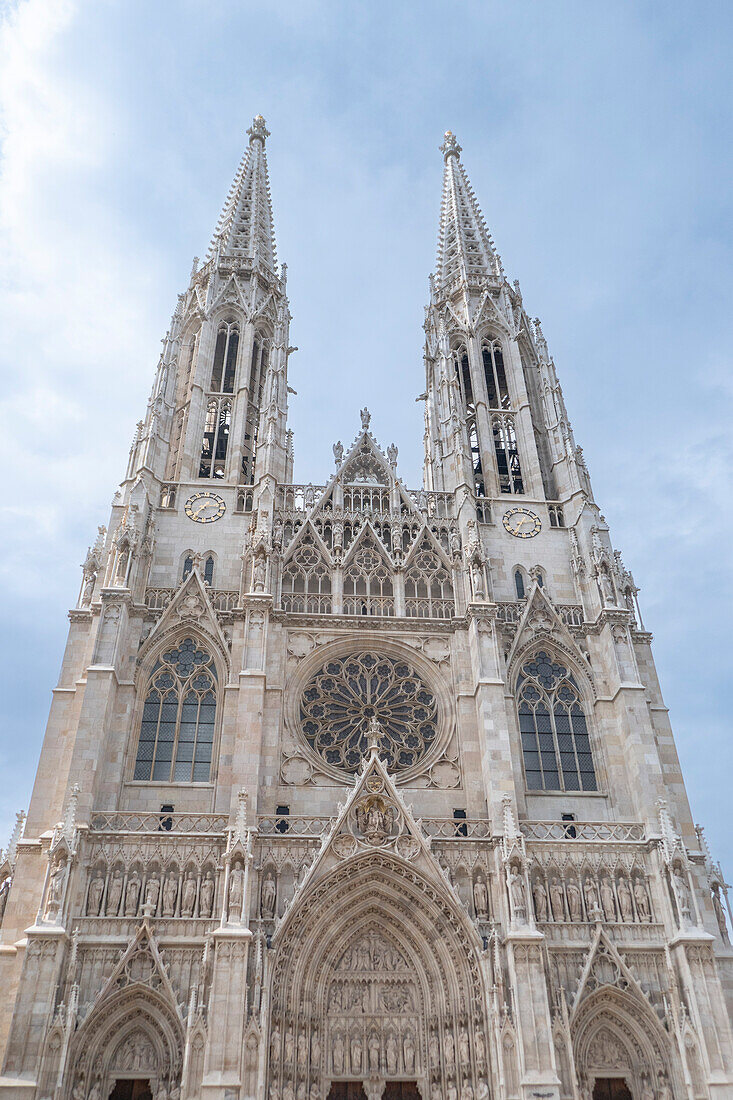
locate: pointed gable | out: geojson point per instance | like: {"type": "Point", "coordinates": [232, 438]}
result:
{"type": "Point", "coordinates": [190, 604]}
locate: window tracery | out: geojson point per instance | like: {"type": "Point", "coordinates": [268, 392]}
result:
{"type": "Point", "coordinates": [179, 715]}
{"type": "Point", "coordinates": [368, 583]}
{"type": "Point", "coordinates": [507, 454]}
{"type": "Point", "coordinates": [555, 738]}
{"type": "Point", "coordinates": [257, 374]}
{"type": "Point", "coordinates": [343, 697]}
{"type": "Point", "coordinates": [225, 358]}
{"type": "Point", "coordinates": [216, 438]}
{"type": "Point", "coordinates": [428, 587]}
{"type": "Point", "coordinates": [306, 583]}
{"type": "Point", "coordinates": [463, 374]}
{"type": "Point", "coordinates": [495, 375]}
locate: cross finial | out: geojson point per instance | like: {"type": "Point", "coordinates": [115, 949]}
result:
{"type": "Point", "coordinates": [258, 130]}
{"type": "Point", "coordinates": [450, 146]}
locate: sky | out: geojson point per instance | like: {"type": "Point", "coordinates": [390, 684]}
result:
{"type": "Point", "coordinates": [597, 137]}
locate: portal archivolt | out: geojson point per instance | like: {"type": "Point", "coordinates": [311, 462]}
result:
{"type": "Point", "coordinates": [376, 977]}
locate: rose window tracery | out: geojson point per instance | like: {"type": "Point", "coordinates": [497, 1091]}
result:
{"type": "Point", "coordinates": [342, 698]}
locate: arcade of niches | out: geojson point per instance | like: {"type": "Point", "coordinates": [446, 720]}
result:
{"type": "Point", "coordinates": [353, 790]}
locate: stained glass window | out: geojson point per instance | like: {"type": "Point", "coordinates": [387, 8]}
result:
{"type": "Point", "coordinates": [179, 715]}
{"type": "Point", "coordinates": [339, 702]}
{"type": "Point", "coordinates": [553, 727]}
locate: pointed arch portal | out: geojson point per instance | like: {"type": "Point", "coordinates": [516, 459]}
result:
{"type": "Point", "coordinates": [376, 979]}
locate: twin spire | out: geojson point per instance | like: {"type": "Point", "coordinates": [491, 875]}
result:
{"type": "Point", "coordinates": [466, 251]}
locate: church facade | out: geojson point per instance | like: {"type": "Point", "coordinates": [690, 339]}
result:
{"type": "Point", "coordinates": [355, 790]}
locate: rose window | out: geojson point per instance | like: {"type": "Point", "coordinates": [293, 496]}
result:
{"type": "Point", "coordinates": [340, 700]}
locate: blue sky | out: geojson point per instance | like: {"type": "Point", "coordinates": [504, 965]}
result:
{"type": "Point", "coordinates": [597, 137]}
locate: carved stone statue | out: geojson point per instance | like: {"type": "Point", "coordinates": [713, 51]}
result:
{"type": "Point", "coordinates": [275, 1045]}
{"type": "Point", "coordinates": [434, 1050]}
{"type": "Point", "coordinates": [170, 895]}
{"type": "Point", "coordinates": [338, 452]}
{"type": "Point", "coordinates": [374, 1051]}
{"type": "Point", "coordinates": [392, 1053]}
{"type": "Point", "coordinates": [152, 893]}
{"type": "Point", "coordinates": [337, 1054]}
{"type": "Point", "coordinates": [188, 895]}
{"type": "Point", "coordinates": [79, 1090]}
{"type": "Point", "coordinates": [302, 1050]}
{"type": "Point", "coordinates": [451, 1093]}
{"type": "Point", "coordinates": [259, 572]}
{"type": "Point", "coordinates": [206, 901]}
{"type": "Point", "coordinates": [315, 1049]}
{"type": "Point", "coordinates": [479, 1046]}
{"type": "Point", "coordinates": [267, 905]}
{"type": "Point", "coordinates": [682, 891]}
{"type": "Point", "coordinates": [55, 890]}
{"type": "Point", "coordinates": [466, 1090]}
{"type": "Point", "coordinates": [591, 899]}
{"type": "Point", "coordinates": [366, 417]}
{"type": "Point", "coordinates": [236, 892]}
{"type": "Point", "coordinates": [464, 1049]}
{"type": "Point", "coordinates": [408, 1051]}
{"type": "Point", "coordinates": [624, 900]}
{"type": "Point", "coordinates": [449, 1047]}
{"type": "Point", "coordinates": [574, 904]}
{"type": "Point", "coordinates": [607, 899]}
{"type": "Point", "coordinates": [94, 897]}
{"type": "Point", "coordinates": [516, 893]}
{"type": "Point", "coordinates": [114, 894]}
{"type": "Point", "coordinates": [132, 895]}
{"type": "Point", "coordinates": [95, 1092]}
{"type": "Point", "coordinates": [717, 906]}
{"type": "Point", "coordinates": [663, 1091]}
{"type": "Point", "coordinates": [392, 454]}
{"type": "Point", "coordinates": [481, 898]}
{"type": "Point", "coordinates": [642, 900]}
{"type": "Point", "coordinates": [356, 1050]}
{"type": "Point", "coordinates": [540, 900]}
{"type": "Point", "coordinates": [647, 1092]}
{"type": "Point", "coordinates": [557, 900]}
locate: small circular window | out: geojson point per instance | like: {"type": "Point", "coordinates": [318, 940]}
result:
{"type": "Point", "coordinates": [341, 698]}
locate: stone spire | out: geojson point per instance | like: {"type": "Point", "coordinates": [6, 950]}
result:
{"type": "Point", "coordinates": [245, 227]}
{"type": "Point", "coordinates": [465, 248]}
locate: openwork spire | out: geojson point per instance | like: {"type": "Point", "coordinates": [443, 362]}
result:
{"type": "Point", "coordinates": [245, 227]}
{"type": "Point", "coordinates": [465, 248]}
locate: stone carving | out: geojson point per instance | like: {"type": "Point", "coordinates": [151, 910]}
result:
{"type": "Point", "coordinates": [642, 900]}
{"type": "Point", "coordinates": [717, 906]}
{"type": "Point", "coordinates": [366, 417]}
{"type": "Point", "coordinates": [236, 892]}
{"type": "Point", "coordinates": [55, 891]}
{"type": "Point", "coordinates": [607, 899]}
{"type": "Point", "coordinates": [170, 895]}
{"type": "Point", "coordinates": [591, 899]}
{"type": "Point", "coordinates": [408, 1051]}
{"type": "Point", "coordinates": [152, 893]}
{"type": "Point", "coordinates": [94, 896]}
{"type": "Point", "coordinates": [516, 892]}
{"type": "Point", "coordinates": [540, 900]}
{"type": "Point", "coordinates": [188, 895]}
{"type": "Point", "coordinates": [338, 452]}
{"type": "Point", "coordinates": [114, 894]}
{"type": "Point", "coordinates": [375, 818]}
{"type": "Point", "coordinates": [338, 1055]}
{"type": "Point", "coordinates": [207, 895]}
{"type": "Point", "coordinates": [682, 893]}
{"type": "Point", "coordinates": [624, 899]}
{"type": "Point", "coordinates": [132, 895]}
{"type": "Point", "coordinates": [481, 898]}
{"type": "Point", "coordinates": [557, 899]}
{"type": "Point", "coordinates": [574, 902]}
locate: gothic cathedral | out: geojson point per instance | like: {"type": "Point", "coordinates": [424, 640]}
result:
{"type": "Point", "coordinates": [355, 791]}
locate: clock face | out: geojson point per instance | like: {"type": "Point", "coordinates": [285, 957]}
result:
{"type": "Point", "coordinates": [522, 523]}
{"type": "Point", "coordinates": [205, 507]}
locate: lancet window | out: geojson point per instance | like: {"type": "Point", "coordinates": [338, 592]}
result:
{"type": "Point", "coordinates": [257, 375]}
{"type": "Point", "coordinates": [428, 588]}
{"type": "Point", "coordinates": [507, 455]}
{"type": "Point", "coordinates": [555, 738]}
{"type": "Point", "coordinates": [368, 584]}
{"type": "Point", "coordinates": [306, 584]}
{"type": "Point", "coordinates": [495, 375]}
{"type": "Point", "coordinates": [225, 358]}
{"type": "Point", "coordinates": [463, 373]}
{"type": "Point", "coordinates": [519, 583]}
{"type": "Point", "coordinates": [216, 437]}
{"type": "Point", "coordinates": [179, 716]}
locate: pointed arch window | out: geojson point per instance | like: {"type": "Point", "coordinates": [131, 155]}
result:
{"type": "Point", "coordinates": [519, 583]}
{"type": "Point", "coordinates": [495, 375]}
{"type": "Point", "coordinates": [463, 373]}
{"type": "Point", "coordinates": [428, 588]}
{"type": "Point", "coordinates": [553, 727]}
{"type": "Point", "coordinates": [216, 438]}
{"type": "Point", "coordinates": [179, 717]}
{"type": "Point", "coordinates": [507, 455]}
{"type": "Point", "coordinates": [368, 583]}
{"type": "Point", "coordinates": [225, 357]}
{"type": "Point", "coordinates": [306, 584]}
{"type": "Point", "coordinates": [209, 570]}
{"type": "Point", "coordinates": [257, 375]}
{"type": "Point", "coordinates": [187, 567]}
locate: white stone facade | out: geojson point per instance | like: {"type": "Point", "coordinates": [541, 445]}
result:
{"type": "Point", "coordinates": [352, 788]}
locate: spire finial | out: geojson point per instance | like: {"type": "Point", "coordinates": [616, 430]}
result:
{"type": "Point", "coordinates": [450, 146]}
{"type": "Point", "coordinates": [258, 130]}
